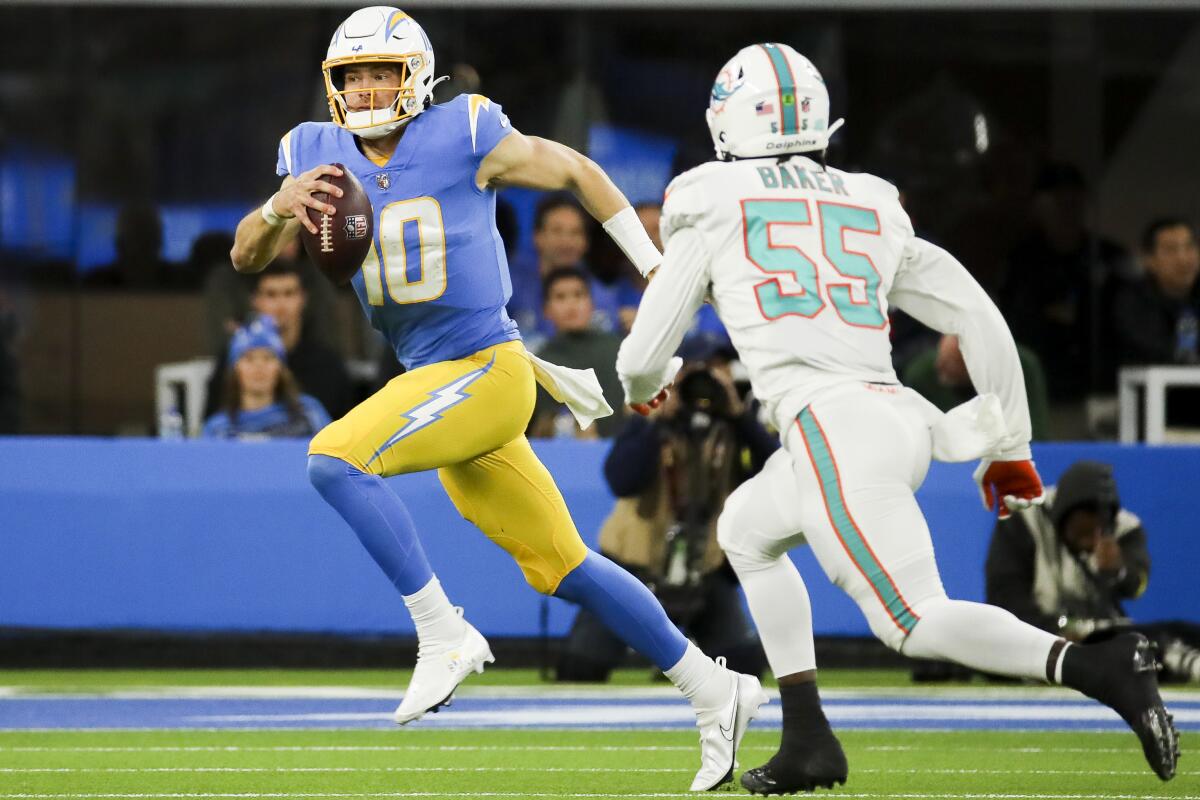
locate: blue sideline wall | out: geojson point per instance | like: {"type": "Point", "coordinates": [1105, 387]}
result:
{"type": "Point", "coordinates": [214, 536]}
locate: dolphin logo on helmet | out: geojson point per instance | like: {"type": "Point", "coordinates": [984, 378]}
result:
{"type": "Point", "coordinates": [379, 34]}
{"type": "Point", "coordinates": [725, 87]}
{"type": "Point", "coordinates": [778, 105]}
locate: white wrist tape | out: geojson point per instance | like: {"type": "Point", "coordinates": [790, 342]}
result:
{"type": "Point", "coordinates": [626, 230]}
{"type": "Point", "coordinates": [269, 215]}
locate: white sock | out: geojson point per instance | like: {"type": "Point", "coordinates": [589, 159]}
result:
{"type": "Point", "coordinates": [982, 637]}
{"type": "Point", "coordinates": [438, 624]}
{"type": "Point", "coordinates": [782, 612]}
{"type": "Point", "coordinates": [1062, 654]}
{"type": "Point", "coordinates": [701, 680]}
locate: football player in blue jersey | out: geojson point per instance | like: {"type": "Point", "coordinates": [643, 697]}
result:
{"type": "Point", "coordinates": [435, 283]}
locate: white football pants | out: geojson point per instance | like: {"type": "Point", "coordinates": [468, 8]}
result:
{"type": "Point", "coordinates": [844, 483]}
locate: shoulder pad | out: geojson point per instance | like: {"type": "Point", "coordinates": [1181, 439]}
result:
{"type": "Point", "coordinates": [692, 176]}
{"type": "Point", "coordinates": [686, 200]}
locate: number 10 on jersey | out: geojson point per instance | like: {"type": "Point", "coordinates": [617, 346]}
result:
{"type": "Point", "coordinates": [391, 274]}
{"type": "Point", "coordinates": [798, 273]}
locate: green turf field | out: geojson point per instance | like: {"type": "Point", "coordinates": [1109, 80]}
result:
{"type": "Point", "coordinates": [416, 762]}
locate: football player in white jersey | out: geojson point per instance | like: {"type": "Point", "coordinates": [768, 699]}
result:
{"type": "Point", "coordinates": [802, 262]}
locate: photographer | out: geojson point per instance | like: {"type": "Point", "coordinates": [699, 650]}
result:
{"type": "Point", "coordinates": [671, 473]}
{"type": "Point", "coordinates": [1067, 565]}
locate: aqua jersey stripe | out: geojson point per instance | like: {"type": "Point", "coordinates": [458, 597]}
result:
{"type": "Point", "coordinates": [787, 89]}
{"type": "Point", "coordinates": [847, 531]}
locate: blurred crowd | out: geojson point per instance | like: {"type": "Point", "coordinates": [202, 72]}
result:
{"type": "Point", "coordinates": [1080, 307]}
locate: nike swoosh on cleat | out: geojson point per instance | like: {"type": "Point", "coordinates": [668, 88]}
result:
{"type": "Point", "coordinates": [727, 731]}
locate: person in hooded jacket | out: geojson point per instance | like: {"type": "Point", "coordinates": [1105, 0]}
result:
{"type": "Point", "coordinates": [1068, 565]}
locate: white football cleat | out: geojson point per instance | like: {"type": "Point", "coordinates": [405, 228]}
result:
{"type": "Point", "coordinates": [438, 673]}
{"type": "Point", "coordinates": [721, 731]}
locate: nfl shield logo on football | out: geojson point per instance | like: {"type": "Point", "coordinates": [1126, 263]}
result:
{"type": "Point", "coordinates": [383, 181]}
{"type": "Point", "coordinates": [356, 226]}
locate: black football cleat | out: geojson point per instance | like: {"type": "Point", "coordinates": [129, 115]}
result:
{"type": "Point", "coordinates": [1126, 681]}
{"type": "Point", "coordinates": [818, 766]}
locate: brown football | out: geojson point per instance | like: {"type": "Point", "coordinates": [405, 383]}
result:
{"type": "Point", "coordinates": [342, 239]}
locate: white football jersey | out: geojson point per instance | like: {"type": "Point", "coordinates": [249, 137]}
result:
{"type": "Point", "coordinates": [801, 263]}
{"type": "Point", "coordinates": [802, 259]}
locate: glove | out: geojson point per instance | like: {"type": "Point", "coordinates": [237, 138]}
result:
{"type": "Point", "coordinates": [1016, 482]}
{"type": "Point", "coordinates": [639, 385]}
{"type": "Point", "coordinates": [645, 408]}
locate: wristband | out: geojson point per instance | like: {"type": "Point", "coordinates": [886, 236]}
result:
{"type": "Point", "coordinates": [626, 230]}
{"type": "Point", "coordinates": [1017, 453]}
{"type": "Point", "coordinates": [269, 215]}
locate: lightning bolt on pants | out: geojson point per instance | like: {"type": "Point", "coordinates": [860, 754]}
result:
{"type": "Point", "coordinates": [466, 418]}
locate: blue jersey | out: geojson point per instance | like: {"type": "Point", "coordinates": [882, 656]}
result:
{"type": "Point", "coordinates": [272, 422]}
{"type": "Point", "coordinates": [435, 281]}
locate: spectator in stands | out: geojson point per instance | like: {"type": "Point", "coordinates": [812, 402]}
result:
{"type": "Point", "coordinates": [671, 473]}
{"type": "Point", "coordinates": [261, 399]}
{"type": "Point", "coordinates": [568, 307]}
{"type": "Point", "coordinates": [279, 293]}
{"type": "Point", "coordinates": [1155, 317]}
{"type": "Point", "coordinates": [940, 376]}
{"type": "Point", "coordinates": [561, 239]}
{"type": "Point", "coordinates": [1067, 565]}
{"type": "Point", "coordinates": [227, 292]}
{"type": "Point", "coordinates": [1054, 290]}
{"type": "Point", "coordinates": [138, 243]}
{"type": "Point", "coordinates": [10, 369]}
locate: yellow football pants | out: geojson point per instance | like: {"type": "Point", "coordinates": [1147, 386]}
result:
{"type": "Point", "coordinates": [467, 419]}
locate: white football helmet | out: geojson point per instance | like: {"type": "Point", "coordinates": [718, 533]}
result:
{"type": "Point", "coordinates": [373, 35]}
{"type": "Point", "coordinates": [769, 100]}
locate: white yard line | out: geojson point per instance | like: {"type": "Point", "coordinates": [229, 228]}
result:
{"type": "Point", "coordinates": [518, 748]}
{"type": "Point", "coordinates": [1082, 733]}
{"type": "Point", "coordinates": [283, 770]}
{"type": "Point", "coordinates": [539, 770]}
{"type": "Point", "coordinates": [857, 796]}
{"type": "Point", "coordinates": [898, 748]}
{"type": "Point", "coordinates": [983, 693]}
{"type": "Point", "coordinates": [536, 715]}
{"type": "Point", "coordinates": [357, 748]}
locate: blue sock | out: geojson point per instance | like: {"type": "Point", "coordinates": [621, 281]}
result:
{"type": "Point", "coordinates": [626, 606]}
{"type": "Point", "coordinates": [378, 516]}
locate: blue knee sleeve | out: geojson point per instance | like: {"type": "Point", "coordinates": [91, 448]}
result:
{"type": "Point", "coordinates": [626, 606]}
{"type": "Point", "coordinates": [378, 517]}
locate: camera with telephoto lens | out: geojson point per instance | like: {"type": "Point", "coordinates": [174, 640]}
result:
{"type": "Point", "coordinates": [702, 399]}
{"type": "Point", "coordinates": [701, 438]}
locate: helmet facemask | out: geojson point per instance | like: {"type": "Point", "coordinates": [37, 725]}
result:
{"type": "Point", "coordinates": [382, 115]}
